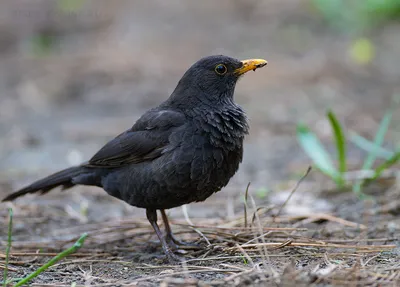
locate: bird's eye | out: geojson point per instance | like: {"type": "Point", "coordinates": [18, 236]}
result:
{"type": "Point", "coordinates": [220, 69]}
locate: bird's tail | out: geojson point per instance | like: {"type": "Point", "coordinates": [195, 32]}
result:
{"type": "Point", "coordinates": [62, 178]}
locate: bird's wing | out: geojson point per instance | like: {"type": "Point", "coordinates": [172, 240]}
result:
{"type": "Point", "coordinates": [145, 141]}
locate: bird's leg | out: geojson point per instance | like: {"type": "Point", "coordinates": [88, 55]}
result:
{"type": "Point", "coordinates": [152, 217]}
{"type": "Point", "coordinates": [170, 238]}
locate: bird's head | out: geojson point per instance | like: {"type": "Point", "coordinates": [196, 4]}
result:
{"type": "Point", "coordinates": [213, 79]}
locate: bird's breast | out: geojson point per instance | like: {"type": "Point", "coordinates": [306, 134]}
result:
{"type": "Point", "coordinates": [200, 159]}
{"type": "Point", "coordinates": [225, 128]}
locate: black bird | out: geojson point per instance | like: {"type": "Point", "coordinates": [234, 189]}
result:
{"type": "Point", "coordinates": [182, 151]}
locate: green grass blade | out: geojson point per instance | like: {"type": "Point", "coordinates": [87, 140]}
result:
{"type": "Point", "coordinates": [378, 141]}
{"type": "Point", "coordinates": [340, 140]}
{"type": "Point", "coordinates": [369, 146]}
{"type": "Point", "coordinates": [379, 137]}
{"type": "Point", "coordinates": [384, 166]}
{"type": "Point", "coordinates": [316, 151]}
{"type": "Point", "coordinates": [78, 244]}
{"type": "Point", "coordinates": [10, 222]}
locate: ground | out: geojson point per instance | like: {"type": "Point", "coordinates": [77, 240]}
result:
{"type": "Point", "coordinates": [359, 247]}
{"type": "Point", "coordinates": [112, 62]}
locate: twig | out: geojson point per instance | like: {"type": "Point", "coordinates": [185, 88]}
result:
{"type": "Point", "coordinates": [233, 276]}
{"type": "Point", "coordinates": [183, 273]}
{"type": "Point", "coordinates": [257, 210]}
{"type": "Point", "coordinates": [10, 212]}
{"type": "Point", "coordinates": [245, 204]}
{"type": "Point", "coordinates": [265, 253]}
{"type": "Point", "coordinates": [258, 237]}
{"type": "Point", "coordinates": [293, 191]}
{"type": "Point", "coordinates": [8, 267]}
{"type": "Point", "coordinates": [93, 261]}
{"type": "Point", "coordinates": [363, 264]}
{"type": "Point", "coordinates": [186, 214]}
{"type": "Point", "coordinates": [27, 254]}
{"type": "Point", "coordinates": [357, 240]}
{"type": "Point", "coordinates": [328, 217]}
{"type": "Point", "coordinates": [247, 228]}
{"type": "Point", "coordinates": [352, 255]}
{"type": "Point", "coordinates": [286, 243]}
{"type": "Point", "coordinates": [322, 244]}
{"type": "Point", "coordinates": [319, 216]}
{"type": "Point", "coordinates": [245, 254]}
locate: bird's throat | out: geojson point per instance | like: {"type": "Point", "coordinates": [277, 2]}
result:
{"type": "Point", "coordinates": [226, 127]}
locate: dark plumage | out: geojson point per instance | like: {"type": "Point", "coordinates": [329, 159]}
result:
{"type": "Point", "coordinates": [179, 152]}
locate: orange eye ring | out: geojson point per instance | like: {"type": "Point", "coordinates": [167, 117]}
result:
{"type": "Point", "coordinates": [220, 69]}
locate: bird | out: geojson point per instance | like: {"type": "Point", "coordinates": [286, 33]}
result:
{"type": "Point", "coordinates": [182, 151]}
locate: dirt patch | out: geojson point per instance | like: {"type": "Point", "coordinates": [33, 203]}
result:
{"type": "Point", "coordinates": [357, 243]}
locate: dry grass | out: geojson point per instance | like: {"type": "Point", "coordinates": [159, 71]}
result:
{"type": "Point", "coordinates": [254, 253]}
{"type": "Point", "coordinates": [259, 247]}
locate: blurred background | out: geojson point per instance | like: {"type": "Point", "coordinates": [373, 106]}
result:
{"type": "Point", "coordinates": [75, 73]}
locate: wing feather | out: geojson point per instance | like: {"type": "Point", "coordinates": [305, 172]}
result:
{"type": "Point", "coordinates": [145, 141]}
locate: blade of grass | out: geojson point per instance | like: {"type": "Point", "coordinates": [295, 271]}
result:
{"type": "Point", "coordinates": [78, 244]}
{"type": "Point", "coordinates": [340, 141]}
{"type": "Point", "coordinates": [379, 137]}
{"type": "Point", "coordinates": [369, 146]}
{"type": "Point", "coordinates": [378, 141]}
{"type": "Point", "coordinates": [384, 166]}
{"type": "Point", "coordinates": [10, 212]}
{"type": "Point", "coordinates": [316, 151]}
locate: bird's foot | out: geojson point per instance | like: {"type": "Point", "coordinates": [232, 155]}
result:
{"type": "Point", "coordinates": [176, 244]}
{"type": "Point", "coordinates": [172, 257]}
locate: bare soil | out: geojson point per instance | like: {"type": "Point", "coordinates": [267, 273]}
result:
{"type": "Point", "coordinates": [356, 243]}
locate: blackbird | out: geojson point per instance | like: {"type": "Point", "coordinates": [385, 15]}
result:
{"type": "Point", "coordinates": [182, 151]}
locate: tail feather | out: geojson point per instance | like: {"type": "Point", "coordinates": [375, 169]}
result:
{"type": "Point", "coordinates": [62, 178]}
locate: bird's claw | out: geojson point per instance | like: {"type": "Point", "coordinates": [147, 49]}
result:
{"type": "Point", "coordinates": [175, 244]}
{"type": "Point", "coordinates": [173, 258]}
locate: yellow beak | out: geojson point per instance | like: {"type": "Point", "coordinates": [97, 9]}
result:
{"type": "Point", "coordinates": [251, 64]}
